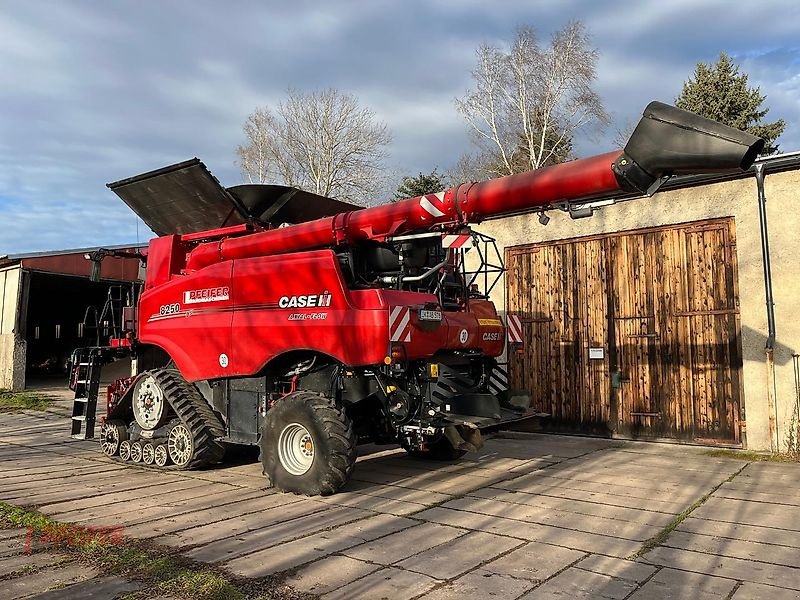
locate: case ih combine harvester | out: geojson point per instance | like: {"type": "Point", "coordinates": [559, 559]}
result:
{"type": "Point", "coordinates": [347, 326]}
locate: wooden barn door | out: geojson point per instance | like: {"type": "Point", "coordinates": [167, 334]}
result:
{"type": "Point", "coordinates": [634, 334]}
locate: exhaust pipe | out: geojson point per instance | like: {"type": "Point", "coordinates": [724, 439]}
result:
{"type": "Point", "coordinates": [670, 141]}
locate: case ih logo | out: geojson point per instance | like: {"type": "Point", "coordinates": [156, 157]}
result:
{"type": "Point", "coordinates": [216, 294]}
{"type": "Point", "coordinates": [306, 301]}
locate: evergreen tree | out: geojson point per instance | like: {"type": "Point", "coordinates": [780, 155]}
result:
{"type": "Point", "coordinates": [424, 183]}
{"type": "Point", "coordinates": [720, 92]}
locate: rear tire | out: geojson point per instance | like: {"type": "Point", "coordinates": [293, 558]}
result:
{"type": "Point", "coordinates": [308, 445]}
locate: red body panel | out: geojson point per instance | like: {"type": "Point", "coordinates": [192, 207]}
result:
{"type": "Point", "coordinates": [194, 334]}
{"type": "Point", "coordinates": [230, 319]}
{"type": "Point", "coordinates": [231, 305]}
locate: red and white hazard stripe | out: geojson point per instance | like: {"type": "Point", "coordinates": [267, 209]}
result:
{"type": "Point", "coordinates": [457, 241]}
{"type": "Point", "coordinates": [514, 326]}
{"type": "Point", "coordinates": [433, 204]}
{"type": "Point", "coordinates": [400, 324]}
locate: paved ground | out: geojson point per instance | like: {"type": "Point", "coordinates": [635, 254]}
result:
{"type": "Point", "coordinates": [538, 517]}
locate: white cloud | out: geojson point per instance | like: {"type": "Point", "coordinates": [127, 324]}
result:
{"type": "Point", "coordinates": [94, 92]}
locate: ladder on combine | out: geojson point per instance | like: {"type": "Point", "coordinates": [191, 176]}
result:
{"type": "Point", "coordinates": [87, 386]}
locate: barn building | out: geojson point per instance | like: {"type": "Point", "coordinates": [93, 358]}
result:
{"type": "Point", "coordinates": [650, 319]}
{"type": "Point", "coordinates": [49, 306]}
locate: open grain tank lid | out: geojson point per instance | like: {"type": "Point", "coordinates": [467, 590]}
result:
{"type": "Point", "coordinates": [187, 198]}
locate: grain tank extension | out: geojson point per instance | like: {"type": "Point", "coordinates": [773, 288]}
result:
{"type": "Point", "coordinates": [273, 317]}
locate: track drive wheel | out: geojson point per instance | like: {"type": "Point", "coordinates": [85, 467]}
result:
{"type": "Point", "coordinates": [308, 445]}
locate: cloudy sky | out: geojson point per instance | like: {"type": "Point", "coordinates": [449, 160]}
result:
{"type": "Point", "coordinates": [93, 91]}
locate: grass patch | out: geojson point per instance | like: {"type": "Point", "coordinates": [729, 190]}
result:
{"type": "Point", "coordinates": [750, 456]}
{"type": "Point", "coordinates": [11, 402]}
{"type": "Point", "coordinates": [168, 575]}
{"type": "Point", "coordinates": [661, 537]}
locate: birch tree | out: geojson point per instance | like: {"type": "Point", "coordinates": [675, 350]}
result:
{"type": "Point", "coordinates": [529, 101]}
{"type": "Point", "coordinates": [322, 142]}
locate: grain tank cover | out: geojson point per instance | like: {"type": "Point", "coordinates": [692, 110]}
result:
{"type": "Point", "coordinates": [181, 198]}
{"type": "Point", "coordinates": [278, 204]}
{"type": "Point", "coordinates": [187, 198]}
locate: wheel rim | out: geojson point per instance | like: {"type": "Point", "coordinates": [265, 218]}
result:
{"type": "Point", "coordinates": [160, 456]}
{"type": "Point", "coordinates": [109, 439]}
{"type": "Point", "coordinates": [180, 445]}
{"type": "Point", "coordinates": [148, 454]}
{"type": "Point", "coordinates": [136, 452]}
{"type": "Point", "coordinates": [296, 449]}
{"type": "Point", "coordinates": [125, 450]}
{"type": "Point", "coordinates": [148, 403]}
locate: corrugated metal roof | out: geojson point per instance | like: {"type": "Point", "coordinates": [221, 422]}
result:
{"type": "Point", "coordinates": [21, 256]}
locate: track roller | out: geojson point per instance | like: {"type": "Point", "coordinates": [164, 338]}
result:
{"type": "Point", "coordinates": [125, 450]}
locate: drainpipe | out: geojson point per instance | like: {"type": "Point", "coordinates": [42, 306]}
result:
{"type": "Point", "coordinates": [772, 405]}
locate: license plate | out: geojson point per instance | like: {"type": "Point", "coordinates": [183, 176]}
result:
{"type": "Point", "coordinates": [430, 315]}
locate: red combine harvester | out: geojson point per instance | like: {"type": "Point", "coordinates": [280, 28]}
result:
{"type": "Point", "coordinates": [348, 325]}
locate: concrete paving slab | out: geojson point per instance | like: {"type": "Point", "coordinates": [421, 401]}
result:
{"type": "Point", "coordinates": [481, 584]}
{"type": "Point", "coordinates": [397, 546]}
{"type": "Point", "coordinates": [564, 511]}
{"type": "Point", "coordinates": [640, 514]}
{"type": "Point", "coordinates": [731, 568]}
{"type": "Point", "coordinates": [534, 561]}
{"type": "Point", "coordinates": [292, 554]}
{"type": "Point", "coordinates": [755, 591]}
{"type": "Point", "coordinates": [753, 493]}
{"type": "Point", "coordinates": [386, 583]}
{"type": "Point", "coordinates": [12, 533]}
{"type": "Point", "coordinates": [268, 511]}
{"type": "Point", "coordinates": [41, 581]}
{"type": "Point", "coordinates": [374, 503]}
{"type": "Point", "coordinates": [736, 531]}
{"type": "Point", "coordinates": [550, 516]}
{"type": "Point", "coordinates": [576, 583]}
{"type": "Point", "coordinates": [329, 574]}
{"type": "Point", "coordinates": [21, 561]}
{"type": "Point", "coordinates": [745, 549]}
{"type": "Point", "coordinates": [577, 540]}
{"type": "Point", "coordinates": [761, 514]}
{"type": "Point", "coordinates": [669, 584]}
{"type": "Point", "coordinates": [106, 505]}
{"type": "Point", "coordinates": [543, 481]}
{"type": "Point", "coordinates": [208, 516]}
{"type": "Point", "coordinates": [459, 556]}
{"type": "Point", "coordinates": [566, 491]}
{"type": "Point", "coordinates": [238, 545]}
{"type": "Point", "coordinates": [100, 588]}
{"type": "Point", "coordinates": [616, 567]}
{"type": "Point", "coordinates": [393, 492]}
{"type": "Point", "coordinates": [178, 508]}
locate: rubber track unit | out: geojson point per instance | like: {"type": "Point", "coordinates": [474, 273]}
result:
{"type": "Point", "coordinates": [194, 412]}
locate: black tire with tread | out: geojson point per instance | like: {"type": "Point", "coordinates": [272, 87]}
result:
{"type": "Point", "coordinates": [334, 441]}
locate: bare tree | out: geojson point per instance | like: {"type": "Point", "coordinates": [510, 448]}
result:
{"type": "Point", "coordinates": [323, 142]}
{"type": "Point", "coordinates": [530, 101]}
